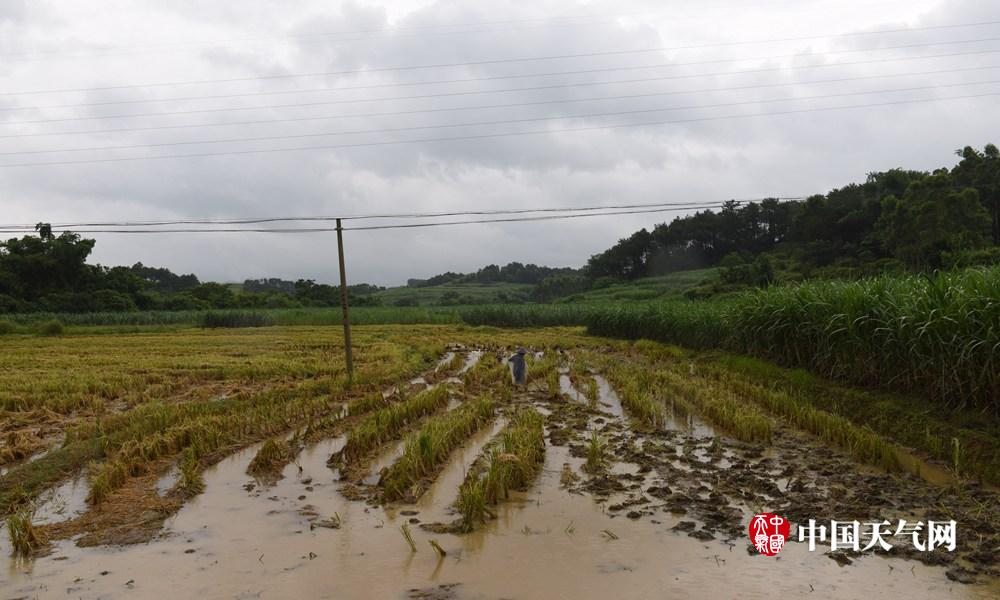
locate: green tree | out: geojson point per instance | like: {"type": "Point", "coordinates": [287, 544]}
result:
{"type": "Point", "coordinates": [931, 218]}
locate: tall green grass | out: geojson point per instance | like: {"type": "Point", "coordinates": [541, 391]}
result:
{"type": "Point", "coordinates": [935, 335]}
{"type": "Point", "coordinates": [939, 335]}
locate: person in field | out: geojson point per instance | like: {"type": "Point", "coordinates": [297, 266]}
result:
{"type": "Point", "coordinates": [519, 368]}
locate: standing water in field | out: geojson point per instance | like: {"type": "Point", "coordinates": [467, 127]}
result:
{"type": "Point", "coordinates": [301, 537]}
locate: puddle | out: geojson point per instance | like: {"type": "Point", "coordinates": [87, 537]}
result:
{"type": "Point", "coordinates": [65, 502]}
{"type": "Point", "coordinates": [938, 475]}
{"type": "Point", "coordinates": [384, 461]}
{"type": "Point", "coordinates": [545, 544]}
{"type": "Point", "coordinates": [689, 424]}
{"type": "Point", "coordinates": [470, 360]}
{"type": "Point", "coordinates": [243, 541]}
{"type": "Point", "coordinates": [36, 456]}
{"type": "Point", "coordinates": [566, 387]}
{"type": "Point", "coordinates": [607, 397]}
{"type": "Point", "coordinates": [445, 361]}
{"type": "Point", "coordinates": [166, 483]}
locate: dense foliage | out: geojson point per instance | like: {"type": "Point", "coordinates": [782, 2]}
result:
{"type": "Point", "coordinates": [49, 273]}
{"type": "Point", "coordinates": [937, 335]}
{"type": "Point", "coordinates": [896, 219]}
{"type": "Point", "coordinates": [513, 272]}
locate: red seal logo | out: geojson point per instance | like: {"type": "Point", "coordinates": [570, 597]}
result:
{"type": "Point", "coordinates": [768, 533]}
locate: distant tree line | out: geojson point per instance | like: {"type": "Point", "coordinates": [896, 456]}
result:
{"type": "Point", "coordinates": [49, 273]}
{"type": "Point", "coordinates": [513, 272]}
{"type": "Point", "coordinates": [896, 219]}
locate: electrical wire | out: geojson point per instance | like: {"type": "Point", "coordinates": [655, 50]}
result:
{"type": "Point", "coordinates": [495, 106]}
{"type": "Point", "coordinates": [496, 77]}
{"type": "Point", "coordinates": [381, 227]}
{"type": "Point", "coordinates": [510, 90]}
{"type": "Point", "coordinates": [510, 60]}
{"type": "Point", "coordinates": [407, 215]}
{"type": "Point", "coordinates": [396, 31]}
{"type": "Point", "coordinates": [493, 122]}
{"type": "Point", "coordinates": [493, 135]}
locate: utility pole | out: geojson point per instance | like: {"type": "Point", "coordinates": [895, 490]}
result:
{"type": "Point", "coordinates": [343, 302]}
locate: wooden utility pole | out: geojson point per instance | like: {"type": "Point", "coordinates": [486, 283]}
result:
{"type": "Point", "coordinates": [343, 302]}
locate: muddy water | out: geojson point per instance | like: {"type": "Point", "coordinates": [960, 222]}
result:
{"type": "Point", "coordinates": [238, 540]}
{"type": "Point", "coordinates": [470, 360]}
{"type": "Point", "coordinates": [229, 542]}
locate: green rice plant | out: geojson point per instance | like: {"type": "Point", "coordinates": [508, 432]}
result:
{"type": "Point", "coordinates": [24, 540]}
{"type": "Point", "coordinates": [271, 458]}
{"type": "Point", "coordinates": [405, 529]}
{"type": "Point", "coordinates": [212, 391]}
{"type": "Point", "coordinates": [429, 448]}
{"type": "Point", "coordinates": [387, 423]}
{"type": "Point", "coordinates": [864, 444]}
{"type": "Point", "coordinates": [106, 478]}
{"type": "Point", "coordinates": [487, 373]}
{"type": "Point", "coordinates": [718, 404]}
{"type": "Point", "coordinates": [588, 386]}
{"type": "Point", "coordinates": [472, 504]}
{"type": "Point", "coordinates": [370, 402]}
{"type": "Point", "coordinates": [456, 363]}
{"type": "Point", "coordinates": [6, 327]}
{"type": "Point", "coordinates": [595, 453]}
{"type": "Point", "coordinates": [438, 549]}
{"type": "Point", "coordinates": [552, 384]}
{"type": "Point", "coordinates": [510, 463]}
{"type": "Point", "coordinates": [956, 452]}
{"type": "Point", "coordinates": [191, 482]}
{"type": "Point", "coordinates": [637, 389]}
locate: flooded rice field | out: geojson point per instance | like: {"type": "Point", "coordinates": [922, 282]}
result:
{"type": "Point", "coordinates": [618, 509]}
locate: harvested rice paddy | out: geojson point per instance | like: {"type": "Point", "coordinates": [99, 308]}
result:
{"type": "Point", "coordinates": [245, 463]}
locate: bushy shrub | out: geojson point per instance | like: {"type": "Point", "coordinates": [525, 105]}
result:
{"type": "Point", "coordinates": [51, 327]}
{"type": "Point", "coordinates": [235, 319]}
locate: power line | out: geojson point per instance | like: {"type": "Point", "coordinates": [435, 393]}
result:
{"type": "Point", "coordinates": [491, 135]}
{"type": "Point", "coordinates": [391, 226]}
{"type": "Point", "coordinates": [382, 34]}
{"type": "Point", "coordinates": [609, 18]}
{"type": "Point", "coordinates": [509, 60]}
{"type": "Point", "coordinates": [498, 77]}
{"type": "Point", "coordinates": [408, 215]}
{"type": "Point", "coordinates": [505, 105]}
{"type": "Point", "coordinates": [493, 122]}
{"type": "Point", "coordinates": [509, 90]}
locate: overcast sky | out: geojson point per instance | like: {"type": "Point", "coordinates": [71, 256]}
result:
{"type": "Point", "coordinates": [106, 53]}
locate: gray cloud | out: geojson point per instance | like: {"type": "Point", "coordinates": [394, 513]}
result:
{"type": "Point", "coordinates": [707, 158]}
